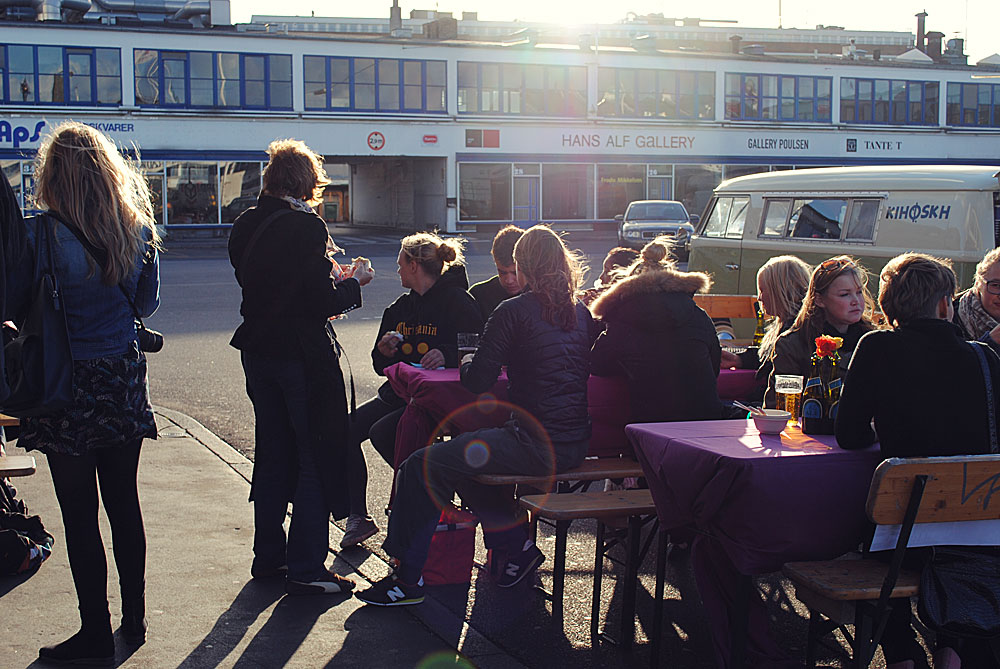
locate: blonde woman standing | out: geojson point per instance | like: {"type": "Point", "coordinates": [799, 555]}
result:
{"type": "Point", "coordinates": [84, 183]}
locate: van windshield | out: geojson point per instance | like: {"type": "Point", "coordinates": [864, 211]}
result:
{"type": "Point", "coordinates": [657, 211]}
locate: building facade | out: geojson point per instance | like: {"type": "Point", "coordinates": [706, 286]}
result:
{"type": "Point", "coordinates": [459, 134]}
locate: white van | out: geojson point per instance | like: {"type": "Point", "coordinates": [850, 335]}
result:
{"type": "Point", "coordinates": [871, 213]}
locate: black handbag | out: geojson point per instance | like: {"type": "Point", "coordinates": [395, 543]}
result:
{"type": "Point", "coordinates": [960, 592]}
{"type": "Point", "coordinates": [38, 362]}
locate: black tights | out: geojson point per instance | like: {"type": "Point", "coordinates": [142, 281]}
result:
{"type": "Point", "coordinates": [76, 479]}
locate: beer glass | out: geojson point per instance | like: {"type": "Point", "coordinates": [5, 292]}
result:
{"type": "Point", "coordinates": [788, 388]}
{"type": "Point", "coordinates": [468, 342]}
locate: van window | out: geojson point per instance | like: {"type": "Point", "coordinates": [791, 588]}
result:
{"type": "Point", "coordinates": [861, 224]}
{"type": "Point", "coordinates": [775, 217]}
{"type": "Point", "coordinates": [818, 218]}
{"type": "Point", "coordinates": [727, 216]}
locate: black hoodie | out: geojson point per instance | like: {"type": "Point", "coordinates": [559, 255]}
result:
{"type": "Point", "coordinates": [429, 321]}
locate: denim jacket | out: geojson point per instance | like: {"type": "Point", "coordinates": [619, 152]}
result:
{"type": "Point", "coordinates": [98, 316]}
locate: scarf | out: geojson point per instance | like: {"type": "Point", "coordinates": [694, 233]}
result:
{"type": "Point", "coordinates": [299, 205]}
{"type": "Point", "coordinates": [973, 315]}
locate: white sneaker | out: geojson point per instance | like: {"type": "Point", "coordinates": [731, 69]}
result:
{"type": "Point", "coordinates": [328, 584]}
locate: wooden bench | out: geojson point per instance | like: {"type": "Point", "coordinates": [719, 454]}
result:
{"type": "Point", "coordinates": [17, 465]}
{"type": "Point", "coordinates": [636, 505]}
{"type": "Point", "coordinates": [592, 469]}
{"type": "Point", "coordinates": [907, 497]}
{"type": "Point", "coordinates": [727, 306]}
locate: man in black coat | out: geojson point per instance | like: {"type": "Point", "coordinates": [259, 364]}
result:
{"type": "Point", "coordinates": [493, 291]}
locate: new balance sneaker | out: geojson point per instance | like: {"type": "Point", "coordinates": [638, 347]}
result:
{"type": "Point", "coordinates": [327, 584]}
{"type": "Point", "coordinates": [520, 565]}
{"type": "Point", "coordinates": [358, 529]}
{"type": "Point", "coordinates": [390, 591]}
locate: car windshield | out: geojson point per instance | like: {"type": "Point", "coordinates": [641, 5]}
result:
{"type": "Point", "coordinates": [657, 211]}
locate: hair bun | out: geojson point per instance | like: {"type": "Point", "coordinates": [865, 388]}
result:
{"type": "Point", "coordinates": [446, 252]}
{"type": "Point", "coordinates": [654, 252]}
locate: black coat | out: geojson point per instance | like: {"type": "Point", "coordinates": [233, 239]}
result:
{"type": "Point", "coordinates": [547, 367]}
{"type": "Point", "coordinates": [429, 321]}
{"type": "Point", "coordinates": [288, 297]}
{"type": "Point", "coordinates": [923, 384]}
{"type": "Point", "coordinates": [13, 254]}
{"type": "Point", "coordinates": [658, 338]}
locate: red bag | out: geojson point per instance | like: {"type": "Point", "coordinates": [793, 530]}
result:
{"type": "Point", "coordinates": [453, 549]}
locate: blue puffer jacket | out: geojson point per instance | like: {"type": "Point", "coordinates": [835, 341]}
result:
{"type": "Point", "coordinates": [98, 316]}
{"type": "Point", "coordinates": [547, 367]}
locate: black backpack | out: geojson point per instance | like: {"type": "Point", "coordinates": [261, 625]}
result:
{"type": "Point", "coordinates": [24, 543]}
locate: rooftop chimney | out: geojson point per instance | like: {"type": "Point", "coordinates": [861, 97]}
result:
{"type": "Point", "coordinates": [921, 25]}
{"type": "Point", "coordinates": [395, 17]}
{"type": "Point", "coordinates": [934, 45]}
{"type": "Point", "coordinates": [734, 43]}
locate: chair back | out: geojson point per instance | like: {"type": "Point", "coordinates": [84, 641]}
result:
{"type": "Point", "coordinates": [953, 500]}
{"type": "Point", "coordinates": [727, 306]}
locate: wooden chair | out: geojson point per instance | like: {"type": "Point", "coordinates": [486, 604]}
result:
{"type": "Point", "coordinates": [635, 505]}
{"type": "Point", "coordinates": [727, 306]}
{"type": "Point", "coordinates": [908, 500]}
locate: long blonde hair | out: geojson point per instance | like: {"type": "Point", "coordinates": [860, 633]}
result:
{"type": "Point", "coordinates": [82, 177]}
{"type": "Point", "coordinates": [812, 315]}
{"type": "Point", "coordinates": [787, 280]}
{"type": "Point", "coordinates": [553, 272]}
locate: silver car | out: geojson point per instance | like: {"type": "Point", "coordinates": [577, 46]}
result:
{"type": "Point", "coordinates": [645, 220]}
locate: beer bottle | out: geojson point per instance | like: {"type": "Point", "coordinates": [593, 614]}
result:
{"type": "Point", "coordinates": [758, 333]}
{"type": "Point", "coordinates": [833, 390]}
{"type": "Point", "coordinates": [814, 401]}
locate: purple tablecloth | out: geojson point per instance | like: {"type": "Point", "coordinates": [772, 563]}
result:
{"type": "Point", "coordinates": [764, 499]}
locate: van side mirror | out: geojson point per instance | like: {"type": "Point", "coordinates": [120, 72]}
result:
{"type": "Point", "coordinates": [694, 218]}
{"type": "Point", "coordinates": [619, 217]}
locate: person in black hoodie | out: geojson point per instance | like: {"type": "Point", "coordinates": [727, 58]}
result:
{"type": "Point", "coordinates": [420, 327]}
{"type": "Point", "coordinates": [934, 373]}
{"type": "Point", "coordinates": [279, 252]}
{"type": "Point", "coordinates": [658, 338]}
{"type": "Point", "coordinates": [543, 336]}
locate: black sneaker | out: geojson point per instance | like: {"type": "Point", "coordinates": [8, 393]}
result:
{"type": "Point", "coordinates": [268, 572]}
{"type": "Point", "coordinates": [82, 649]}
{"type": "Point", "coordinates": [327, 584]}
{"type": "Point", "coordinates": [390, 591]}
{"type": "Point", "coordinates": [519, 565]}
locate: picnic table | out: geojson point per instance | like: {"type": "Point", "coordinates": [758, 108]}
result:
{"type": "Point", "coordinates": [757, 502]}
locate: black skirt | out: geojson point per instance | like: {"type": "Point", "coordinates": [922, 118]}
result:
{"type": "Point", "coordinates": [111, 408]}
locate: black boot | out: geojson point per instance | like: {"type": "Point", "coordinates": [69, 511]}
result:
{"type": "Point", "coordinates": [86, 647]}
{"type": "Point", "coordinates": [133, 627]}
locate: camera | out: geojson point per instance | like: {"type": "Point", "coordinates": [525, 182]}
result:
{"type": "Point", "coordinates": [150, 341]}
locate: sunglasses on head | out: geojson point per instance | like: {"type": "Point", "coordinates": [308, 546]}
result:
{"type": "Point", "coordinates": [835, 264]}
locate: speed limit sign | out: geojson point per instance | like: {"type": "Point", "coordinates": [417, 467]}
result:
{"type": "Point", "coordinates": [376, 141]}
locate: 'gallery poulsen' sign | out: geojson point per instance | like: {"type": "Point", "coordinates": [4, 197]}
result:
{"type": "Point", "coordinates": [626, 140]}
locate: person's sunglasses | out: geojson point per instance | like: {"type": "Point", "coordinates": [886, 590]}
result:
{"type": "Point", "coordinates": [834, 265]}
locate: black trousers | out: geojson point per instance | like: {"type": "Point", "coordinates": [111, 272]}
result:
{"type": "Point", "coordinates": [376, 419]}
{"type": "Point", "coordinates": [76, 479]}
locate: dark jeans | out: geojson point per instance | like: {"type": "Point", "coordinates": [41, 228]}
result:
{"type": "Point", "coordinates": [376, 419]}
{"type": "Point", "coordinates": [429, 478]}
{"type": "Point", "coordinates": [284, 469]}
{"type": "Point", "coordinates": [76, 478]}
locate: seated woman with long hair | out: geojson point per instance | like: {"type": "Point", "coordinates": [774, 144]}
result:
{"type": "Point", "coordinates": [660, 340]}
{"type": "Point", "coordinates": [923, 361]}
{"type": "Point", "coordinates": [838, 304]}
{"type": "Point", "coordinates": [782, 283]}
{"type": "Point", "coordinates": [419, 327]}
{"type": "Point", "coordinates": [543, 336]}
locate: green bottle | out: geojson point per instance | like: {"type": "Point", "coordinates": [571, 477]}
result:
{"type": "Point", "coordinates": [758, 333]}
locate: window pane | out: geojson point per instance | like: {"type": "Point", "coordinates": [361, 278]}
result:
{"type": "Point", "coordinates": [50, 60]}
{"type": "Point", "coordinates": [192, 192]}
{"type": "Point", "coordinates": [862, 223]}
{"type": "Point", "coordinates": [388, 97]}
{"type": "Point", "coordinates": [240, 186]}
{"type": "Point", "coordinates": [229, 65]}
{"type": "Point", "coordinates": [732, 84]}
{"type": "Point", "coordinates": [435, 98]}
{"type": "Point", "coordinates": [606, 92]}
{"type": "Point", "coordinates": [200, 65]}
{"type": "Point", "coordinates": [173, 68]}
{"type": "Point", "coordinates": [806, 87]}
{"type": "Point", "coordinates": [775, 216]}
{"type": "Point", "coordinates": [737, 217]}
{"type": "Point", "coordinates": [340, 95]}
{"type": "Point", "coordinates": [413, 97]}
{"type": "Point", "coordinates": [818, 218]}
{"type": "Point", "coordinates": [435, 73]}
{"type": "Point", "coordinates": [718, 218]}
{"type": "Point", "coordinates": [228, 93]}
{"type": "Point", "coordinates": [468, 74]}
{"type": "Point", "coordinates": [146, 84]}
{"type": "Point", "coordinates": [364, 71]}
{"type": "Point", "coordinates": [364, 96]}
{"type": "Point", "coordinates": [484, 192]}
{"type": "Point", "coordinates": [281, 94]}
{"type": "Point", "coordinates": [706, 95]}
{"type": "Point", "coordinates": [693, 185]}
{"type": "Point", "coordinates": [340, 70]}
{"type": "Point", "coordinates": [253, 67]}
{"type": "Point", "coordinates": [174, 93]}
{"type": "Point", "coordinates": [254, 94]}
{"type": "Point", "coordinates": [617, 185]}
{"type": "Point", "coordinates": [280, 68]}
{"type": "Point", "coordinates": [388, 71]}
{"type": "Point", "coordinates": [769, 85]}
{"type": "Point", "coordinates": [315, 68]}
{"type": "Point", "coordinates": [109, 90]}
{"type": "Point", "coordinates": [202, 92]}
{"type": "Point", "coordinates": [567, 192]}
{"type": "Point", "coordinates": [50, 88]}
{"type": "Point", "coordinates": [412, 72]}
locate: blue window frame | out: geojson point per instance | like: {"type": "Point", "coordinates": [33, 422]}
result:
{"type": "Point", "coordinates": [60, 75]}
{"type": "Point", "coordinates": [335, 83]}
{"type": "Point", "coordinates": [525, 90]}
{"type": "Point", "coordinates": [976, 105]}
{"type": "Point", "coordinates": [212, 79]}
{"type": "Point", "coordinates": [680, 94]}
{"type": "Point", "coordinates": [888, 101]}
{"type": "Point", "coordinates": [778, 97]}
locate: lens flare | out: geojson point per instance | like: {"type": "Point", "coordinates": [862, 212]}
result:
{"type": "Point", "coordinates": [443, 659]}
{"type": "Point", "coordinates": [477, 453]}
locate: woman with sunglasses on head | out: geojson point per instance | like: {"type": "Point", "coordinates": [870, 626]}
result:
{"type": "Point", "coordinates": [929, 365]}
{"type": "Point", "coordinates": [838, 304]}
{"type": "Point", "coordinates": [977, 310]}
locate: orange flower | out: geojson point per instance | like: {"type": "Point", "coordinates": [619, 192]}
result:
{"type": "Point", "coordinates": [827, 346]}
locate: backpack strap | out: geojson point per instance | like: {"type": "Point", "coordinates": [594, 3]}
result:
{"type": "Point", "coordinates": [256, 236]}
{"type": "Point", "coordinates": [991, 407]}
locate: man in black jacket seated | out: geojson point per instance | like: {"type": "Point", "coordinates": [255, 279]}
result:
{"type": "Point", "coordinates": [543, 336]}
{"type": "Point", "coordinates": [495, 290]}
